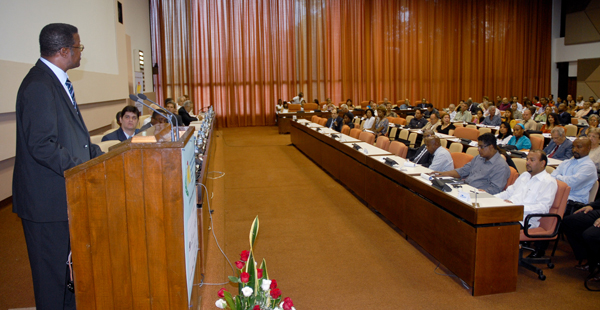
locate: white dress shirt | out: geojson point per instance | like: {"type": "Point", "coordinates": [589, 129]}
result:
{"type": "Point", "coordinates": [442, 160]}
{"type": "Point", "coordinates": [580, 174]}
{"type": "Point", "coordinates": [60, 74]}
{"type": "Point", "coordinates": [503, 141]}
{"type": "Point", "coordinates": [368, 123]}
{"type": "Point", "coordinates": [535, 194]}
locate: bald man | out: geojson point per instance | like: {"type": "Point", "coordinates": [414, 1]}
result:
{"type": "Point", "coordinates": [442, 160]}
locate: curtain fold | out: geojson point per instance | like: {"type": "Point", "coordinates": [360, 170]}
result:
{"type": "Point", "coordinates": [241, 56]}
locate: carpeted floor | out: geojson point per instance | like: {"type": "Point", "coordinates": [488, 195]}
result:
{"type": "Point", "coordinates": [326, 249]}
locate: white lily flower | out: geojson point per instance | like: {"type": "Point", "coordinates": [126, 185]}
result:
{"type": "Point", "coordinates": [221, 304]}
{"type": "Point", "coordinates": [247, 291]}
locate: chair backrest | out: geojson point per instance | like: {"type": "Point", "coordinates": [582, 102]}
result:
{"type": "Point", "coordinates": [458, 124]}
{"type": "Point", "coordinates": [355, 132]}
{"type": "Point", "coordinates": [114, 124]}
{"type": "Point", "coordinates": [399, 121]}
{"type": "Point", "coordinates": [444, 142]}
{"type": "Point", "coordinates": [537, 142]}
{"type": "Point", "coordinates": [514, 174]}
{"type": "Point", "coordinates": [383, 143]}
{"type": "Point", "coordinates": [141, 120]}
{"type": "Point", "coordinates": [107, 144]}
{"type": "Point", "coordinates": [520, 164]}
{"type": "Point", "coordinates": [593, 192]}
{"type": "Point", "coordinates": [311, 106]}
{"type": "Point", "coordinates": [366, 137]}
{"type": "Point", "coordinates": [322, 121]}
{"type": "Point", "coordinates": [392, 133]}
{"type": "Point", "coordinates": [472, 151]}
{"type": "Point", "coordinates": [550, 169]}
{"type": "Point", "coordinates": [109, 131]}
{"type": "Point", "coordinates": [483, 130]}
{"type": "Point", "coordinates": [460, 159]}
{"type": "Point", "coordinates": [314, 118]}
{"type": "Point", "coordinates": [357, 121]}
{"type": "Point", "coordinates": [471, 126]}
{"type": "Point", "coordinates": [390, 119]}
{"type": "Point", "coordinates": [294, 107]}
{"type": "Point", "coordinates": [346, 130]}
{"type": "Point", "coordinates": [398, 148]}
{"type": "Point", "coordinates": [455, 147]}
{"type": "Point", "coordinates": [574, 120]}
{"type": "Point", "coordinates": [467, 133]}
{"type": "Point", "coordinates": [571, 130]}
{"type": "Point", "coordinates": [558, 206]}
{"type": "Point", "coordinates": [403, 134]}
{"type": "Point", "coordinates": [412, 139]}
{"type": "Point", "coordinates": [409, 118]}
{"type": "Point", "coordinates": [96, 139]}
{"type": "Point", "coordinates": [364, 104]}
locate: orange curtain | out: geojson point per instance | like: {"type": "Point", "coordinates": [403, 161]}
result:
{"type": "Point", "coordinates": [241, 56]}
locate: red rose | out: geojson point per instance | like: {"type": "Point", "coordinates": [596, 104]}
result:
{"type": "Point", "coordinates": [239, 264]}
{"type": "Point", "coordinates": [273, 284]}
{"type": "Point", "coordinates": [257, 307]}
{"type": "Point", "coordinates": [245, 277]}
{"type": "Point", "coordinates": [221, 292]}
{"type": "Point", "coordinates": [275, 293]}
{"type": "Point", "coordinates": [244, 256]}
{"type": "Point", "coordinates": [258, 273]}
{"type": "Point", "coordinates": [287, 303]}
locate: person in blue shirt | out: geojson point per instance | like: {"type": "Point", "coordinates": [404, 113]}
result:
{"type": "Point", "coordinates": [493, 119]}
{"type": "Point", "coordinates": [519, 140]}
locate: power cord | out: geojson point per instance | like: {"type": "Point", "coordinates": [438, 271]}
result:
{"type": "Point", "coordinates": [464, 284]}
{"type": "Point", "coordinates": [213, 233]}
{"type": "Point", "coordinates": [222, 175]}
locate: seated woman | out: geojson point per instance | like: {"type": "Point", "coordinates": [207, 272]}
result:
{"type": "Point", "coordinates": [368, 123]}
{"type": "Point", "coordinates": [446, 127]}
{"type": "Point", "coordinates": [279, 105]}
{"type": "Point", "coordinates": [543, 117]}
{"type": "Point", "coordinates": [593, 123]}
{"type": "Point", "coordinates": [504, 134]}
{"type": "Point", "coordinates": [551, 122]}
{"type": "Point", "coordinates": [348, 120]}
{"type": "Point", "coordinates": [508, 118]}
{"type": "Point", "coordinates": [350, 104]}
{"type": "Point", "coordinates": [519, 139]}
{"type": "Point", "coordinates": [479, 119]}
{"type": "Point", "coordinates": [372, 105]}
{"type": "Point", "coordinates": [382, 123]}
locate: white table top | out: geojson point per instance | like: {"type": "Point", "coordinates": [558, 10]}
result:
{"type": "Point", "coordinates": [371, 149]}
{"type": "Point", "coordinates": [325, 130]}
{"type": "Point", "coordinates": [303, 121]}
{"type": "Point", "coordinates": [418, 169]}
{"type": "Point", "coordinates": [345, 138]}
{"type": "Point", "coordinates": [313, 125]}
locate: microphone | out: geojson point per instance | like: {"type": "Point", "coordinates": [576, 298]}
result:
{"type": "Point", "coordinates": [144, 97]}
{"type": "Point", "coordinates": [136, 99]}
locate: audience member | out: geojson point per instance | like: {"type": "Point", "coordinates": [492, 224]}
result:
{"type": "Point", "coordinates": [583, 232]}
{"type": "Point", "coordinates": [452, 111]}
{"type": "Point", "coordinates": [463, 114]}
{"type": "Point", "coordinates": [446, 127]}
{"type": "Point", "coordinates": [349, 104]}
{"type": "Point", "coordinates": [421, 155]}
{"type": "Point", "coordinates": [518, 107]}
{"type": "Point", "coordinates": [571, 107]}
{"type": "Point", "coordinates": [418, 121]}
{"type": "Point", "coordinates": [431, 110]}
{"type": "Point", "coordinates": [155, 119]}
{"type": "Point", "coordinates": [406, 105]}
{"type": "Point", "coordinates": [487, 171]}
{"type": "Point", "coordinates": [382, 122]}
{"type": "Point", "coordinates": [348, 117]}
{"type": "Point", "coordinates": [559, 147]}
{"type": "Point", "coordinates": [579, 173]}
{"type": "Point", "coordinates": [583, 112]}
{"type": "Point", "coordinates": [580, 102]}
{"type": "Point", "coordinates": [184, 112]}
{"type": "Point", "coordinates": [129, 121]}
{"type": "Point", "coordinates": [442, 160]}
{"type": "Point", "coordinates": [278, 106]}
{"type": "Point", "coordinates": [433, 123]}
{"type": "Point", "coordinates": [592, 100]}
{"type": "Point", "coordinates": [564, 117]}
{"type": "Point", "coordinates": [335, 121]}
{"type": "Point", "coordinates": [551, 123]}
{"type": "Point", "coordinates": [493, 119]}
{"type": "Point", "coordinates": [592, 123]}
{"type": "Point", "coordinates": [504, 105]}
{"type": "Point", "coordinates": [534, 189]}
{"type": "Point", "coordinates": [170, 105]}
{"type": "Point", "coordinates": [516, 110]}
{"type": "Point", "coordinates": [296, 100]}
{"type": "Point", "coordinates": [472, 106]}
{"type": "Point", "coordinates": [479, 116]}
{"type": "Point", "coordinates": [594, 136]}
{"type": "Point", "coordinates": [519, 139]}
{"type": "Point", "coordinates": [508, 117]}
{"type": "Point", "coordinates": [422, 104]}
{"type": "Point", "coordinates": [528, 122]}
{"type": "Point", "coordinates": [504, 134]}
{"type": "Point", "coordinates": [543, 117]}
{"type": "Point", "coordinates": [595, 108]}
{"type": "Point", "coordinates": [368, 123]}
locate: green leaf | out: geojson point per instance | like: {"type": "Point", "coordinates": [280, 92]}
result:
{"type": "Point", "coordinates": [253, 232]}
{"type": "Point", "coordinates": [263, 266]}
{"type": "Point", "coordinates": [251, 269]}
{"type": "Point", "coordinates": [234, 279]}
{"type": "Point", "coordinates": [229, 300]}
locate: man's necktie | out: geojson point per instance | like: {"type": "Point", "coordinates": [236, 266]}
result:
{"type": "Point", "coordinates": [71, 92]}
{"type": "Point", "coordinates": [553, 151]}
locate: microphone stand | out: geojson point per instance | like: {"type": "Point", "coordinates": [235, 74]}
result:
{"type": "Point", "coordinates": [136, 99]}
{"type": "Point", "coordinates": [143, 97]}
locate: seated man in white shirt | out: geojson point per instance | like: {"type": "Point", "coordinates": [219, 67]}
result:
{"type": "Point", "coordinates": [534, 189]}
{"type": "Point", "coordinates": [442, 160]}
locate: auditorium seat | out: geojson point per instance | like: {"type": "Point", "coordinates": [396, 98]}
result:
{"type": "Point", "coordinates": [593, 192]}
{"type": "Point", "coordinates": [403, 136]}
{"type": "Point", "coordinates": [383, 143]}
{"type": "Point", "coordinates": [392, 133]}
{"type": "Point", "coordinates": [412, 139]}
{"type": "Point", "coordinates": [571, 130]}
{"type": "Point", "coordinates": [444, 143]}
{"type": "Point", "coordinates": [409, 118]}
{"type": "Point", "coordinates": [310, 106]}
{"type": "Point", "coordinates": [141, 120]}
{"type": "Point", "coordinates": [314, 118]}
{"type": "Point", "coordinates": [109, 131]}
{"type": "Point", "coordinates": [322, 121]}
{"type": "Point", "coordinates": [364, 104]}
{"type": "Point", "coordinates": [398, 149]}
{"type": "Point", "coordinates": [294, 107]}
{"type": "Point", "coordinates": [355, 132]}
{"type": "Point", "coordinates": [514, 174]}
{"type": "Point", "coordinates": [471, 150]}
{"type": "Point", "coordinates": [346, 130]}
{"type": "Point", "coordinates": [520, 164]}
{"type": "Point", "coordinates": [483, 130]}
{"type": "Point", "coordinates": [105, 145]}
{"type": "Point", "coordinates": [399, 121]}
{"type": "Point", "coordinates": [367, 137]}
{"type": "Point", "coordinates": [96, 139]}
{"type": "Point", "coordinates": [460, 159]}
{"type": "Point", "coordinates": [455, 147]}
{"type": "Point", "coordinates": [537, 141]}
{"type": "Point", "coordinates": [550, 169]}
{"type": "Point", "coordinates": [466, 133]}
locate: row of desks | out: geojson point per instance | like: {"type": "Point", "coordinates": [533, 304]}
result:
{"type": "Point", "coordinates": [477, 243]}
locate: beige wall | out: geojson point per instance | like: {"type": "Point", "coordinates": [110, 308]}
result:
{"type": "Point", "coordinates": [100, 94]}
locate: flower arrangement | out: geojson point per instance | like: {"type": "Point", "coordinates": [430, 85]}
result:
{"type": "Point", "coordinates": [255, 290]}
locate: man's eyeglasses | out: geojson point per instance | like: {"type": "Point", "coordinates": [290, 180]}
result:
{"type": "Point", "coordinates": [80, 47]}
{"type": "Point", "coordinates": [482, 146]}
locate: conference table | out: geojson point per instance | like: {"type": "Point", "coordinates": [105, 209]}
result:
{"type": "Point", "coordinates": [476, 238]}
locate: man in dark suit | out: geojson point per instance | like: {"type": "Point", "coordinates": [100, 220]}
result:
{"type": "Point", "coordinates": [422, 155]}
{"type": "Point", "coordinates": [560, 147]}
{"type": "Point", "coordinates": [51, 138]}
{"type": "Point", "coordinates": [336, 121]}
{"type": "Point", "coordinates": [170, 105]}
{"type": "Point", "coordinates": [418, 121]}
{"type": "Point", "coordinates": [564, 117]}
{"type": "Point", "coordinates": [129, 120]}
{"type": "Point", "coordinates": [184, 112]}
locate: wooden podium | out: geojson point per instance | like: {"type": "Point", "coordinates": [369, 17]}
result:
{"type": "Point", "coordinates": [136, 232]}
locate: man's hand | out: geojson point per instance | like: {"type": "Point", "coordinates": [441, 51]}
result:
{"type": "Point", "coordinates": [585, 210]}
{"type": "Point", "coordinates": [597, 222]}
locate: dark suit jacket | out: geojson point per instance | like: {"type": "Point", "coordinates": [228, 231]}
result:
{"type": "Point", "coordinates": [51, 138]}
{"type": "Point", "coordinates": [415, 123]}
{"type": "Point", "coordinates": [338, 127]}
{"type": "Point", "coordinates": [185, 116]}
{"type": "Point", "coordinates": [179, 120]}
{"type": "Point", "coordinates": [425, 160]}
{"type": "Point", "coordinates": [564, 151]}
{"type": "Point", "coordinates": [564, 118]}
{"type": "Point", "coordinates": [118, 135]}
